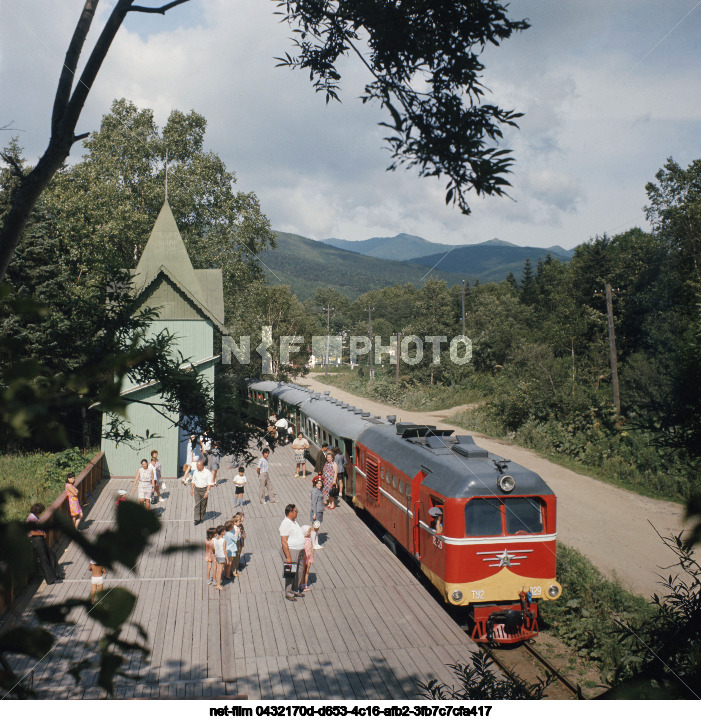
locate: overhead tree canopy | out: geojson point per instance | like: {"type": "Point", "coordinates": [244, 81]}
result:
{"type": "Point", "coordinates": [424, 58]}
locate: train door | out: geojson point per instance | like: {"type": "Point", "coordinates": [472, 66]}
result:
{"type": "Point", "coordinates": [414, 516]}
{"type": "Point", "coordinates": [347, 450]}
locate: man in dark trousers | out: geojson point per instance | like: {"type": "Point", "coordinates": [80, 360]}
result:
{"type": "Point", "coordinates": [47, 558]}
{"type": "Point", "coordinates": [321, 458]}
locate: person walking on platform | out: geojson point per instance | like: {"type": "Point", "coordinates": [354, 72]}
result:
{"type": "Point", "coordinates": [47, 558]}
{"type": "Point", "coordinates": [146, 478]}
{"type": "Point", "coordinates": [264, 478]}
{"type": "Point", "coordinates": [292, 551]}
{"type": "Point", "coordinates": [201, 483]}
{"type": "Point", "coordinates": [321, 458]}
{"type": "Point", "coordinates": [330, 488]}
{"type": "Point", "coordinates": [340, 460]}
{"type": "Point", "coordinates": [214, 460]}
{"type": "Point", "coordinates": [300, 446]}
{"type": "Point", "coordinates": [317, 511]}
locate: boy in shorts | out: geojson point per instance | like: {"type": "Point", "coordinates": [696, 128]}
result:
{"type": "Point", "coordinates": [240, 481]}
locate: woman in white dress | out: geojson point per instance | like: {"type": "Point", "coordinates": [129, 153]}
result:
{"type": "Point", "coordinates": [146, 478]}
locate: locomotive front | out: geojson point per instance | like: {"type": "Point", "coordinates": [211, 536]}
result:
{"type": "Point", "coordinates": [498, 541]}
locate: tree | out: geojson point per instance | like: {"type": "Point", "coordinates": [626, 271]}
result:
{"type": "Point", "coordinates": [528, 285]}
{"type": "Point", "coordinates": [675, 215]}
{"type": "Point", "coordinates": [446, 131]}
{"type": "Point", "coordinates": [106, 205]}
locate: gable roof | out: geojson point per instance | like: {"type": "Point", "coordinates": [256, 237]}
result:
{"type": "Point", "coordinates": [165, 253]}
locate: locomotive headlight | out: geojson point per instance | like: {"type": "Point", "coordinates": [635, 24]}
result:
{"type": "Point", "coordinates": [554, 591]}
{"type": "Point", "coordinates": [457, 595]}
{"type": "Point", "coordinates": [506, 484]}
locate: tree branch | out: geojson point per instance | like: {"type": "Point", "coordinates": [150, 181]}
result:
{"type": "Point", "coordinates": [19, 171]}
{"type": "Point", "coordinates": [65, 81]}
{"type": "Point", "coordinates": [161, 10]}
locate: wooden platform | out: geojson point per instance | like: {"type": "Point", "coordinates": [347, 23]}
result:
{"type": "Point", "coordinates": [366, 630]}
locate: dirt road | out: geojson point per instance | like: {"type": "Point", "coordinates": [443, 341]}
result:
{"type": "Point", "coordinates": [610, 526]}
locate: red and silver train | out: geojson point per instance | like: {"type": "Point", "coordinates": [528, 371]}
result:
{"type": "Point", "coordinates": [488, 542]}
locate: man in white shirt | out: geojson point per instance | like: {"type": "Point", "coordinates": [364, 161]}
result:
{"type": "Point", "coordinates": [292, 551]}
{"type": "Point", "coordinates": [262, 469]}
{"type": "Point", "coordinates": [201, 483]}
{"type": "Point", "coordinates": [281, 426]}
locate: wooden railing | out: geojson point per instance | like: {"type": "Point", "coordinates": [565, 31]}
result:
{"type": "Point", "coordinates": [86, 482]}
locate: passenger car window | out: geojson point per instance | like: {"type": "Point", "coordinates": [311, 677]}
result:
{"type": "Point", "coordinates": [483, 517]}
{"type": "Point", "coordinates": [523, 515]}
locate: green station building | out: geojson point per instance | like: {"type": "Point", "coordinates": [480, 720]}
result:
{"type": "Point", "coordinates": [190, 305]}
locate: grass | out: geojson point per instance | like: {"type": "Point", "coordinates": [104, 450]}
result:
{"type": "Point", "coordinates": [39, 477]}
{"type": "Point", "coordinates": [589, 615]}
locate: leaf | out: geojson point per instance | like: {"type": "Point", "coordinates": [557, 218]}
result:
{"type": "Point", "coordinates": [28, 640]}
{"type": "Point", "coordinates": [113, 607]}
{"type": "Point", "coordinates": [58, 613]}
{"type": "Point", "coordinates": [109, 665]}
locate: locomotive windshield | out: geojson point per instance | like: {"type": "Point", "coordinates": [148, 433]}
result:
{"type": "Point", "coordinates": [523, 514]}
{"type": "Point", "coordinates": [503, 516]}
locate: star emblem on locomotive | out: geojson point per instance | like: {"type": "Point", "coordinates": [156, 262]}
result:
{"type": "Point", "coordinates": [505, 559]}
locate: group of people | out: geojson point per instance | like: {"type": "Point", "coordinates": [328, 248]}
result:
{"type": "Point", "coordinates": [280, 429]}
{"type": "Point", "coordinates": [224, 551]}
{"type": "Point", "coordinates": [330, 466]}
{"type": "Point", "coordinates": [148, 478]}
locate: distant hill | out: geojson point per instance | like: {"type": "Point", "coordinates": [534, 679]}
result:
{"type": "Point", "coordinates": [490, 261]}
{"type": "Point", "coordinates": [400, 247]}
{"type": "Point", "coordinates": [306, 265]}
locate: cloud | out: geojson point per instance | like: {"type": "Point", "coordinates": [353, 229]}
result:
{"type": "Point", "coordinates": [600, 115]}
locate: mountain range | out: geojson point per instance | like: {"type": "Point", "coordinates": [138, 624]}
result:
{"type": "Point", "coordinates": [307, 264]}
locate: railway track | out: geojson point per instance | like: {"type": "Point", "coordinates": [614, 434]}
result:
{"type": "Point", "coordinates": [530, 665]}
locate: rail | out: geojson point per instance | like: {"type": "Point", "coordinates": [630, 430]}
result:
{"type": "Point", "coordinates": [85, 482]}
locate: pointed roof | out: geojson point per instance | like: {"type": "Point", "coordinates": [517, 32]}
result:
{"type": "Point", "coordinates": [165, 253]}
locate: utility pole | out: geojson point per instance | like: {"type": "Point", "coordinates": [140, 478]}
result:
{"type": "Point", "coordinates": [370, 310]}
{"type": "Point", "coordinates": [399, 338]}
{"type": "Point", "coordinates": [463, 309]}
{"type": "Point", "coordinates": [328, 310]}
{"type": "Point", "coordinates": [612, 346]}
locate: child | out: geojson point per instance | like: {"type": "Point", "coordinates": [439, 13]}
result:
{"type": "Point", "coordinates": [240, 481]}
{"type": "Point", "coordinates": [242, 543]}
{"type": "Point", "coordinates": [219, 555]}
{"type": "Point", "coordinates": [308, 556]}
{"type": "Point", "coordinates": [231, 547]}
{"type": "Point", "coordinates": [209, 554]}
{"type": "Point", "coordinates": [98, 578]}
{"type": "Point", "coordinates": [121, 497]}
{"type": "Point", "coordinates": [73, 500]}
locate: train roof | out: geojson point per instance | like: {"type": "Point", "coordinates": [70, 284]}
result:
{"type": "Point", "coordinates": [454, 465]}
{"type": "Point", "coordinates": [341, 419]}
{"type": "Point", "coordinates": [291, 394]}
{"type": "Point", "coordinates": [264, 386]}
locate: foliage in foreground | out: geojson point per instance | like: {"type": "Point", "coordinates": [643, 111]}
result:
{"type": "Point", "coordinates": [665, 661]}
{"type": "Point", "coordinates": [122, 544]}
{"type": "Point", "coordinates": [479, 682]}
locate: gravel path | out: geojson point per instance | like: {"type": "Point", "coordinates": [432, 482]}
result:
{"type": "Point", "coordinates": [611, 526]}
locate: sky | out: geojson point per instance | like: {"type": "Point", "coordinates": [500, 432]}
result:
{"type": "Point", "coordinates": [610, 90]}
